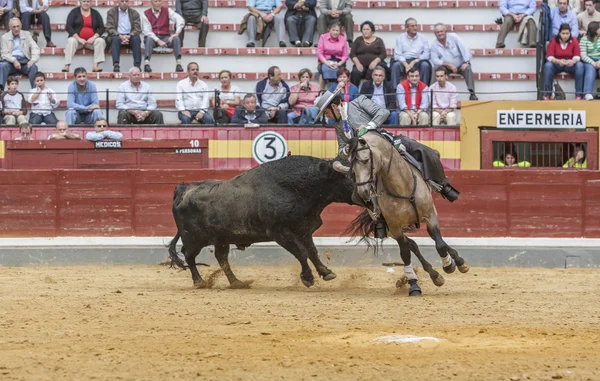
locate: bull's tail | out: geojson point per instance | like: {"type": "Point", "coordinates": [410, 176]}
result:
{"type": "Point", "coordinates": [361, 227]}
{"type": "Point", "coordinates": [175, 260]}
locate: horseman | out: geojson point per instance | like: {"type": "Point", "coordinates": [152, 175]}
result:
{"type": "Point", "coordinates": [362, 115]}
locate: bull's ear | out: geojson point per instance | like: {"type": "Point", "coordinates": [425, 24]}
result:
{"type": "Point", "coordinates": [325, 168]}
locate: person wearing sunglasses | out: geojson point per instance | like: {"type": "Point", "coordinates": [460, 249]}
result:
{"type": "Point", "coordinates": [101, 133]}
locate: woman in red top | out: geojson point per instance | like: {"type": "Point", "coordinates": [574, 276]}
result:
{"type": "Point", "coordinates": [563, 56]}
{"type": "Point", "coordinates": [85, 26]}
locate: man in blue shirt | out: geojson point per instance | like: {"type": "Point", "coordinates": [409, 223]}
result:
{"type": "Point", "coordinates": [82, 100]}
{"type": "Point", "coordinates": [270, 13]}
{"type": "Point", "coordinates": [514, 12]}
{"type": "Point", "coordinates": [563, 15]}
{"type": "Point", "coordinates": [411, 50]}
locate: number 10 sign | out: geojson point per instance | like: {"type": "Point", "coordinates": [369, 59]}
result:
{"type": "Point", "coordinates": [269, 146]}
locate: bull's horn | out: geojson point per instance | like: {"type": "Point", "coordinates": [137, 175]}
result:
{"type": "Point", "coordinates": [340, 167]}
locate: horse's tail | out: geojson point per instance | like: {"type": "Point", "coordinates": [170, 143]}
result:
{"type": "Point", "coordinates": [362, 226]}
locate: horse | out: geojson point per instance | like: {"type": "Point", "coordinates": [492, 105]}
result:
{"type": "Point", "coordinates": [390, 187]}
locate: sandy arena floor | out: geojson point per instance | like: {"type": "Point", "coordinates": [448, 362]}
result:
{"type": "Point", "coordinates": [148, 323]}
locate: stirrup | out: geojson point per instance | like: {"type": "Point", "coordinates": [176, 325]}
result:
{"type": "Point", "coordinates": [436, 187]}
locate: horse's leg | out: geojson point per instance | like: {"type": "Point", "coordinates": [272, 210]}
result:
{"type": "Point", "coordinates": [409, 272]}
{"type": "Point", "coordinates": [450, 257]}
{"type": "Point", "coordinates": [436, 277]}
{"type": "Point", "coordinates": [222, 255]}
{"type": "Point", "coordinates": [313, 255]}
{"type": "Point", "coordinates": [289, 241]}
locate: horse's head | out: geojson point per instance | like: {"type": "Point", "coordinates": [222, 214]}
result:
{"type": "Point", "coordinates": [362, 169]}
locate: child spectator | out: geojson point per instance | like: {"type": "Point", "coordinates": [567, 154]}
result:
{"type": "Point", "coordinates": [12, 103]}
{"type": "Point", "coordinates": [590, 55]}
{"type": "Point", "coordinates": [43, 100]}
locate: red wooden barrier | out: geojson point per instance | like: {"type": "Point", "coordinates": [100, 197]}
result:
{"type": "Point", "coordinates": [138, 202]}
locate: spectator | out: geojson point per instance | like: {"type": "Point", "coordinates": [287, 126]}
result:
{"type": "Point", "coordinates": [270, 14]}
{"type": "Point", "coordinates": [84, 27]}
{"type": "Point", "coordinates": [62, 132]}
{"type": "Point", "coordinates": [563, 56]}
{"type": "Point", "coordinates": [19, 53]}
{"type": "Point", "coordinates": [578, 160]}
{"type": "Point", "coordinates": [273, 95]}
{"type": "Point", "coordinates": [518, 12]}
{"type": "Point", "coordinates": [563, 15]}
{"type": "Point", "coordinates": [82, 100]}
{"type": "Point", "coordinates": [367, 52]}
{"type": "Point", "coordinates": [336, 11]}
{"type": "Point", "coordinates": [574, 5]}
{"type": "Point", "coordinates": [6, 11]}
{"type": "Point", "coordinates": [193, 98]}
{"type": "Point", "coordinates": [411, 50]}
{"type": "Point", "coordinates": [124, 27]}
{"type": "Point", "coordinates": [383, 93]}
{"type": "Point", "coordinates": [36, 12]}
{"type": "Point", "coordinates": [229, 98]}
{"type": "Point", "coordinates": [332, 53]}
{"type": "Point", "coordinates": [350, 91]}
{"type": "Point", "coordinates": [249, 114]}
{"type": "Point", "coordinates": [12, 103]}
{"type": "Point", "coordinates": [194, 12]}
{"type": "Point", "coordinates": [155, 26]}
{"type": "Point", "coordinates": [101, 133]}
{"type": "Point", "coordinates": [43, 100]}
{"type": "Point", "coordinates": [586, 17]}
{"type": "Point", "coordinates": [590, 55]}
{"type": "Point", "coordinates": [450, 51]}
{"type": "Point", "coordinates": [443, 99]}
{"type": "Point", "coordinates": [301, 16]}
{"type": "Point", "coordinates": [302, 100]}
{"type": "Point", "coordinates": [135, 101]}
{"type": "Point", "coordinates": [510, 160]}
{"type": "Point", "coordinates": [24, 132]}
{"type": "Point", "coordinates": [413, 100]}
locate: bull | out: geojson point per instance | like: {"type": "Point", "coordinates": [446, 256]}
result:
{"type": "Point", "coordinates": [278, 201]}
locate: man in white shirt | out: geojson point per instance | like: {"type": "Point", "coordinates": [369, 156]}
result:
{"type": "Point", "coordinates": [443, 99]}
{"type": "Point", "coordinates": [193, 98]}
{"type": "Point", "coordinates": [36, 12]}
{"type": "Point", "coordinates": [43, 100]}
{"type": "Point", "coordinates": [135, 101]}
{"type": "Point", "coordinates": [155, 27]}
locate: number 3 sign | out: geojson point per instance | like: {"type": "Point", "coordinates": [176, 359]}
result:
{"type": "Point", "coordinates": [269, 146]}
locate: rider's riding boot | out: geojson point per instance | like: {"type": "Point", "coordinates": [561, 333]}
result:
{"type": "Point", "coordinates": [449, 192]}
{"type": "Point", "coordinates": [380, 229]}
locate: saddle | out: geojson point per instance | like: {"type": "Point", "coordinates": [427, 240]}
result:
{"type": "Point", "coordinates": [396, 141]}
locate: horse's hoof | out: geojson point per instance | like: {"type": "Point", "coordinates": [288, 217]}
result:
{"type": "Point", "coordinates": [464, 268]}
{"type": "Point", "coordinates": [401, 282]}
{"type": "Point", "coordinates": [439, 280]}
{"type": "Point", "coordinates": [414, 291]}
{"type": "Point", "coordinates": [201, 284]}
{"type": "Point", "coordinates": [330, 276]}
{"type": "Point", "coordinates": [450, 268]}
{"type": "Point", "coordinates": [239, 285]}
{"type": "Point", "coordinates": [308, 282]}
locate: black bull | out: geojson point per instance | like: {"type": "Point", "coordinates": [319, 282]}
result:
{"type": "Point", "coordinates": [279, 201]}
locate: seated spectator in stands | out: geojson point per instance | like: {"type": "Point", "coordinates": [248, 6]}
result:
{"type": "Point", "coordinates": [248, 113]}
{"type": "Point", "coordinates": [193, 98]}
{"type": "Point", "coordinates": [194, 12]}
{"type": "Point", "coordinates": [339, 11]}
{"type": "Point", "coordinates": [590, 55]}
{"type": "Point", "coordinates": [574, 5]}
{"type": "Point", "coordinates": [156, 30]}
{"type": "Point", "coordinates": [586, 17]}
{"type": "Point", "coordinates": [12, 104]}
{"type": "Point", "coordinates": [450, 51]}
{"type": "Point", "coordinates": [563, 56]}
{"type": "Point", "coordinates": [302, 100]}
{"type": "Point", "coordinates": [6, 12]}
{"type": "Point", "coordinates": [273, 95]}
{"type": "Point", "coordinates": [101, 133]}
{"type": "Point", "coordinates": [383, 93]}
{"type": "Point", "coordinates": [36, 12]}
{"type": "Point", "coordinates": [443, 99]}
{"type": "Point", "coordinates": [578, 160]}
{"type": "Point", "coordinates": [413, 100]}
{"type": "Point", "coordinates": [367, 52]}
{"type": "Point", "coordinates": [518, 12]}
{"type": "Point", "coordinates": [332, 54]}
{"type": "Point", "coordinates": [229, 98]}
{"type": "Point", "coordinates": [563, 15]}
{"type": "Point", "coordinates": [135, 101]}
{"type": "Point", "coordinates": [411, 50]}
{"type": "Point", "coordinates": [62, 132]}
{"type": "Point", "coordinates": [263, 13]}
{"type": "Point", "coordinates": [24, 132]}
{"type": "Point", "coordinates": [85, 28]}
{"type": "Point", "coordinates": [43, 100]}
{"type": "Point", "coordinates": [19, 53]}
{"type": "Point", "coordinates": [301, 16]}
{"type": "Point", "coordinates": [83, 105]}
{"type": "Point", "coordinates": [350, 91]}
{"type": "Point", "coordinates": [124, 27]}
{"type": "Point", "coordinates": [510, 160]}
